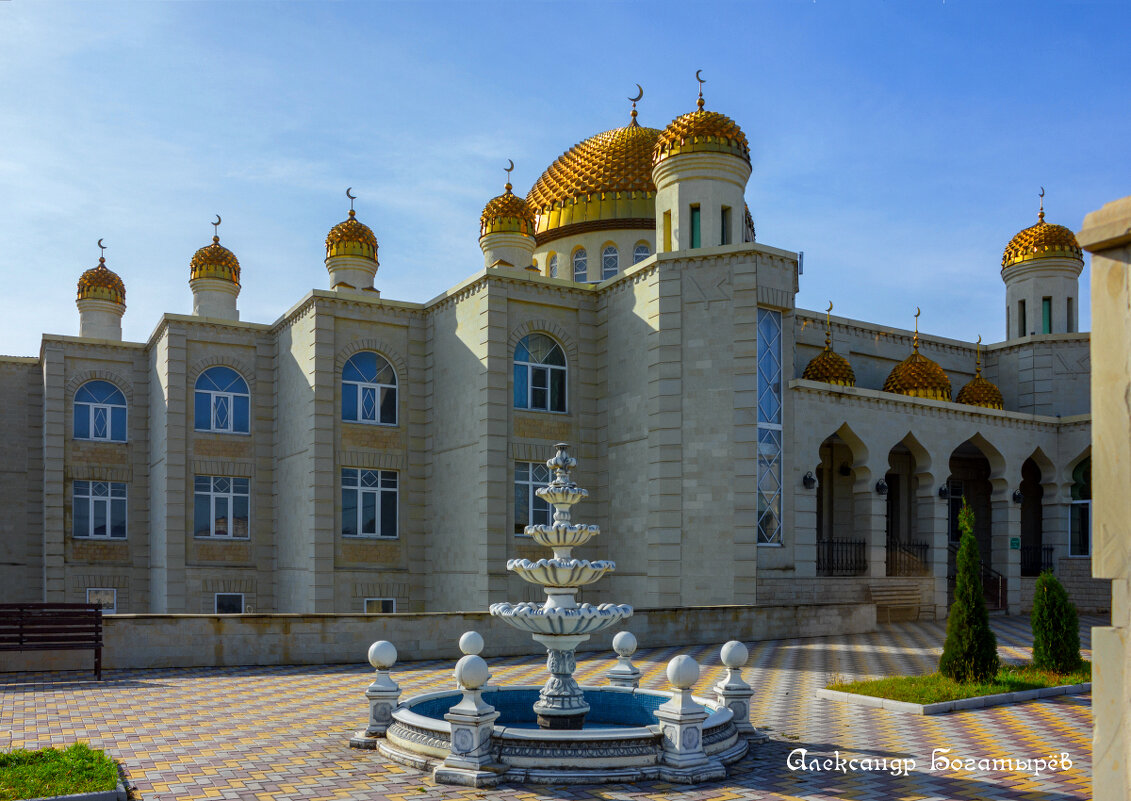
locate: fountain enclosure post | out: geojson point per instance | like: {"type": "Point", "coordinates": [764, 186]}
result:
{"type": "Point", "coordinates": [561, 624]}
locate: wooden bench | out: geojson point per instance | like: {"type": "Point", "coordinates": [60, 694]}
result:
{"type": "Point", "coordinates": [52, 627]}
{"type": "Point", "coordinates": [888, 596]}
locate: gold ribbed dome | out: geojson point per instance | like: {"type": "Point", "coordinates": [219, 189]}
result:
{"type": "Point", "coordinates": [701, 131]}
{"type": "Point", "coordinates": [215, 261]}
{"type": "Point", "coordinates": [918, 376]}
{"type": "Point", "coordinates": [351, 238]}
{"type": "Point", "coordinates": [507, 213]}
{"type": "Point", "coordinates": [1040, 241]}
{"type": "Point", "coordinates": [828, 365]}
{"type": "Point", "coordinates": [604, 182]}
{"type": "Point", "coordinates": [101, 283]}
{"type": "Point", "coordinates": [979, 391]}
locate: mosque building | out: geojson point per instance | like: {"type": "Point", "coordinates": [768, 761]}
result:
{"type": "Point", "coordinates": [362, 454]}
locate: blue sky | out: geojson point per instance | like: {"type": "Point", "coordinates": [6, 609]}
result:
{"type": "Point", "coordinates": [900, 145]}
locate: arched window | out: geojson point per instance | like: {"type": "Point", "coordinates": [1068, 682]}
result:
{"type": "Point", "coordinates": [100, 412]}
{"type": "Point", "coordinates": [553, 265]}
{"type": "Point", "coordinates": [539, 374]}
{"type": "Point", "coordinates": [641, 252]}
{"type": "Point", "coordinates": [222, 401]}
{"type": "Point", "coordinates": [369, 390]}
{"type": "Point", "coordinates": [580, 265]}
{"type": "Point", "coordinates": [610, 262]}
{"type": "Point", "coordinates": [1081, 510]}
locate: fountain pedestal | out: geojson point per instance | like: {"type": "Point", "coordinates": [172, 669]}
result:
{"type": "Point", "coordinates": [561, 704]}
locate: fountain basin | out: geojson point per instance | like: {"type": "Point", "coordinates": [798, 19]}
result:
{"type": "Point", "coordinates": [562, 535]}
{"type": "Point", "coordinates": [583, 619]}
{"type": "Point", "coordinates": [560, 572]}
{"type": "Point", "coordinates": [621, 740]}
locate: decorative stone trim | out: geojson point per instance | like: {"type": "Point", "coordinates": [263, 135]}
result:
{"type": "Point", "coordinates": [377, 346]}
{"type": "Point", "coordinates": [548, 327]}
{"type": "Point", "coordinates": [80, 471]}
{"type": "Point", "coordinates": [83, 376]}
{"type": "Point", "coordinates": [246, 372]}
{"type": "Point", "coordinates": [943, 707]}
{"type": "Point", "coordinates": [373, 460]}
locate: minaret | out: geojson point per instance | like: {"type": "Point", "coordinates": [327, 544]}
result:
{"type": "Point", "coordinates": [351, 253]}
{"type": "Point", "coordinates": [214, 278]}
{"type": "Point", "coordinates": [701, 164]}
{"type": "Point", "coordinates": [101, 301]}
{"type": "Point", "coordinates": [506, 231]}
{"type": "Point", "coordinates": [1041, 269]}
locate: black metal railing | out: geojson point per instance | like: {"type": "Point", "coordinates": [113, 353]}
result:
{"type": "Point", "coordinates": [1036, 559]}
{"type": "Point", "coordinates": [842, 557]}
{"type": "Point", "coordinates": [907, 558]}
{"type": "Point", "coordinates": [993, 583]}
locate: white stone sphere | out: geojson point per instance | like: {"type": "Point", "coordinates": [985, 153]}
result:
{"type": "Point", "coordinates": [471, 642]}
{"type": "Point", "coordinates": [382, 654]}
{"type": "Point", "coordinates": [683, 672]}
{"type": "Point", "coordinates": [472, 672]}
{"type": "Point", "coordinates": [734, 654]}
{"type": "Point", "coordinates": [624, 643]}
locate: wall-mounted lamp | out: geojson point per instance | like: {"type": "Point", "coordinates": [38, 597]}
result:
{"type": "Point", "coordinates": [809, 480]}
{"type": "Point", "coordinates": [944, 492]}
{"type": "Point", "coordinates": [1018, 496]}
{"type": "Point", "coordinates": [882, 487]}
{"type": "Point", "coordinates": [844, 469]}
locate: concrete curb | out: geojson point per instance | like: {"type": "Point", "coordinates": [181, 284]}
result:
{"type": "Point", "coordinates": [117, 794]}
{"type": "Point", "coordinates": [942, 707]}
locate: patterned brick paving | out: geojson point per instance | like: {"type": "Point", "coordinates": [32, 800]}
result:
{"type": "Point", "coordinates": [281, 732]}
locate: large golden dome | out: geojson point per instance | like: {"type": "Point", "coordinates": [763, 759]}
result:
{"type": "Point", "coordinates": [215, 261]}
{"type": "Point", "coordinates": [1043, 240]}
{"type": "Point", "coordinates": [351, 238]}
{"type": "Point", "coordinates": [507, 213]}
{"type": "Point", "coordinates": [602, 183]}
{"type": "Point", "coordinates": [101, 283]}
{"type": "Point", "coordinates": [700, 131]}
{"type": "Point", "coordinates": [918, 377]}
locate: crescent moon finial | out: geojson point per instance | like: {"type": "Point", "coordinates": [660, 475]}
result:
{"type": "Point", "coordinates": [102, 255]}
{"type": "Point", "coordinates": [1041, 214]}
{"type": "Point", "coordinates": [639, 94]}
{"type": "Point", "coordinates": [507, 169]}
{"type": "Point", "coordinates": [215, 228]}
{"type": "Point", "coordinates": [830, 308]}
{"type": "Point", "coordinates": [699, 77]}
{"type": "Point", "coordinates": [352, 197]}
{"type": "Point", "coordinates": [918, 311]}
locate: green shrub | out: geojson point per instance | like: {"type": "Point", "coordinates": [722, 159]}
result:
{"type": "Point", "coordinates": [970, 652]}
{"type": "Point", "coordinates": [1056, 627]}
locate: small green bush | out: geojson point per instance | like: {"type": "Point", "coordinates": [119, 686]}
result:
{"type": "Point", "coordinates": [34, 774]}
{"type": "Point", "coordinates": [1056, 626]}
{"type": "Point", "coordinates": [970, 652]}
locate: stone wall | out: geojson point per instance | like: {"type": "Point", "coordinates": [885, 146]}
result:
{"type": "Point", "coordinates": [154, 641]}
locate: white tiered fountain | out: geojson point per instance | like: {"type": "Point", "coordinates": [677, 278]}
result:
{"type": "Point", "coordinates": [561, 624]}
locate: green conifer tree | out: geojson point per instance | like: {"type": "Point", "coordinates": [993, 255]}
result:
{"type": "Point", "coordinates": [970, 652]}
{"type": "Point", "coordinates": [1056, 627]}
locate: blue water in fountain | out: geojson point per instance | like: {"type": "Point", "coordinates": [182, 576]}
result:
{"type": "Point", "coordinates": [516, 708]}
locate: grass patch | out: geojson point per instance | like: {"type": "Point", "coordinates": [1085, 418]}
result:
{"type": "Point", "coordinates": [77, 769]}
{"type": "Point", "coordinates": [934, 687]}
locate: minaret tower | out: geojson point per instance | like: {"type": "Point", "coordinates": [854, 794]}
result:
{"type": "Point", "coordinates": [700, 166]}
{"type": "Point", "coordinates": [1041, 269]}
{"type": "Point", "coordinates": [214, 278]}
{"type": "Point", "coordinates": [101, 301]}
{"type": "Point", "coordinates": [506, 230]}
{"type": "Point", "coordinates": [351, 253]}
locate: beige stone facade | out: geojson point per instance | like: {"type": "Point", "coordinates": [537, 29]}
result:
{"type": "Point", "coordinates": [717, 473]}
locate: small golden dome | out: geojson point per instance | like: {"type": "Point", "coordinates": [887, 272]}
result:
{"type": "Point", "coordinates": [1041, 241]}
{"type": "Point", "coordinates": [606, 177]}
{"type": "Point", "coordinates": [351, 238]}
{"type": "Point", "coordinates": [918, 376]}
{"type": "Point", "coordinates": [980, 392]}
{"type": "Point", "coordinates": [701, 131]}
{"type": "Point", "coordinates": [506, 213]}
{"type": "Point", "coordinates": [215, 261]}
{"type": "Point", "coordinates": [102, 283]}
{"type": "Point", "coordinates": [830, 367]}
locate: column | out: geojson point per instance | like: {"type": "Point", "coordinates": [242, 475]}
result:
{"type": "Point", "coordinates": [1005, 519]}
{"type": "Point", "coordinates": [931, 523]}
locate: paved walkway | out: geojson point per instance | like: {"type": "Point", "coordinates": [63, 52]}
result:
{"type": "Point", "coordinates": [281, 732]}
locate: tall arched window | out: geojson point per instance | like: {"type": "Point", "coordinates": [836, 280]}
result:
{"type": "Point", "coordinates": [539, 374]}
{"type": "Point", "coordinates": [100, 412]}
{"type": "Point", "coordinates": [641, 252]}
{"type": "Point", "coordinates": [223, 402]}
{"type": "Point", "coordinates": [553, 265]}
{"type": "Point", "coordinates": [610, 262]}
{"type": "Point", "coordinates": [369, 390]}
{"type": "Point", "coordinates": [580, 265]}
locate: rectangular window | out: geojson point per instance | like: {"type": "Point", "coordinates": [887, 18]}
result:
{"type": "Point", "coordinates": [221, 507]}
{"type": "Point", "coordinates": [1046, 315]}
{"type": "Point", "coordinates": [105, 597]}
{"type": "Point", "coordinates": [99, 509]}
{"type": "Point", "coordinates": [229, 603]}
{"type": "Point", "coordinates": [1022, 327]}
{"type": "Point", "coordinates": [724, 235]}
{"type": "Point", "coordinates": [380, 606]}
{"type": "Point", "coordinates": [667, 232]}
{"type": "Point", "coordinates": [769, 428]}
{"type": "Point", "coordinates": [1070, 318]}
{"type": "Point", "coordinates": [695, 230]}
{"type": "Point", "coordinates": [1081, 528]}
{"type": "Point", "coordinates": [369, 503]}
{"type": "Point", "coordinates": [529, 509]}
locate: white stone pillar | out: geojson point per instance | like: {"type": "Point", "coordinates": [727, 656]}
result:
{"type": "Point", "coordinates": [931, 521]}
{"type": "Point", "coordinates": [1005, 519]}
{"type": "Point", "coordinates": [871, 524]}
{"type": "Point", "coordinates": [472, 721]}
{"type": "Point", "coordinates": [100, 319]}
{"type": "Point", "coordinates": [214, 297]}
